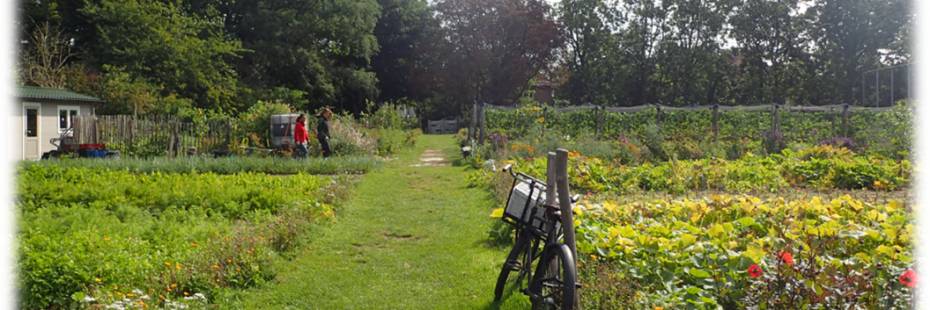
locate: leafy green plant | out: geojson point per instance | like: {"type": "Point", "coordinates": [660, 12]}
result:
{"type": "Point", "coordinates": [743, 251]}
{"type": "Point", "coordinates": [749, 173]}
{"type": "Point", "coordinates": [93, 238]}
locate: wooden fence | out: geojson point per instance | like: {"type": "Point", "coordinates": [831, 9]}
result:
{"type": "Point", "coordinates": [152, 135]}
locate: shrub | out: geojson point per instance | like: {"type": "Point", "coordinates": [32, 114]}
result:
{"type": "Point", "coordinates": [348, 138]}
{"type": "Point", "coordinates": [390, 140]}
{"type": "Point", "coordinates": [386, 116]}
{"type": "Point", "coordinates": [840, 142]}
{"type": "Point", "coordinates": [773, 141]}
{"type": "Point", "coordinates": [653, 140]}
{"type": "Point", "coordinates": [255, 123]}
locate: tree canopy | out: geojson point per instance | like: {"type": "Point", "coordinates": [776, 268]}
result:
{"type": "Point", "coordinates": [225, 55]}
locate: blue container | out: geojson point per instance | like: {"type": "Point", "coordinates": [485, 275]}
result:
{"type": "Point", "coordinates": [93, 153]}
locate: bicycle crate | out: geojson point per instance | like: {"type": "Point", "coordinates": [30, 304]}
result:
{"type": "Point", "coordinates": [525, 207]}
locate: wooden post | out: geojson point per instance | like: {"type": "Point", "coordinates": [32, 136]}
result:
{"type": "Point", "coordinates": [551, 179]}
{"type": "Point", "coordinates": [474, 121]}
{"type": "Point", "coordinates": [776, 126]}
{"type": "Point", "coordinates": [658, 116]}
{"type": "Point", "coordinates": [481, 126]}
{"type": "Point", "coordinates": [172, 152]}
{"type": "Point", "coordinates": [132, 122]}
{"type": "Point", "coordinates": [545, 118]}
{"type": "Point", "coordinates": [597, 120]}
{"type": "Point", "coordinates": [94, 132]}
{"type": "Point", "coordinates": [845, 123]}
{"type": "Point", "coordinates": [176, 133]}
{"type": "Point", "coordinates": [228, 128]}
{"type": "Point", "coordinates": [714, 118]}
{"type": "Point", "coordinates": [832, 115]}
{"type": "Point", "coordinates": [565, 199]}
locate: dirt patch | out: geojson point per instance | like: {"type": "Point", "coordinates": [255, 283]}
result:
{"type": "Point", "coordinates": [399, 236]}
{"type": "Point", "coordinates": [432, 158]}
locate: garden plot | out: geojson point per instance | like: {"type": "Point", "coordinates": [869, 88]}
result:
{"type": "Point", "coordinates": [672, 219]}
{"type": "Point", "coordinates": [99, 237]}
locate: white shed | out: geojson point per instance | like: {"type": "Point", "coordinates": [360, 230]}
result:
{"type": "Point", "coordinates": [46, 113]}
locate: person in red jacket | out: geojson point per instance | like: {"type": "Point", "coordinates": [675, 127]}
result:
{"type": "Point", "coordinates": [300, 137]}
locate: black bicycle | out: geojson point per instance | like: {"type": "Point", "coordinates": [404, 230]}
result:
{"type": "Point", "coordinates": [536, 222]}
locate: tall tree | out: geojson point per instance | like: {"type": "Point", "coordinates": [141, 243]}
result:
{"type": "Point", "coordinates": [321, 48]}
{"type": "Point", "coordinates": [848, 36]}
{"type": "Point", "coordinates": [46, 57]}
{"type": "Point", "coordinates": [592, 51]}
{"type": "Point", "coordinates": [495, 47]}
{"type": "Point", "coordinates": [767, 36]}
{"type": "Point", "coordinates": [402, 32]}
{"type": "Point", "coordinates": [647, 26]}
{"type": "Point", "coordinates": [186, 54]}
{"type": "Point", "coordinates": [688, 56]}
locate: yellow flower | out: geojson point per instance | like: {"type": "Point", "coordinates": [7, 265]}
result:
{"type": "Point", "coordinates": [97, 280]}
{"type": "Point", "coordinates": [659, 308]}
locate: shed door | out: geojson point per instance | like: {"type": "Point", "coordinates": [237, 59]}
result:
{"type": "Point", "coordinates": [31, 132]}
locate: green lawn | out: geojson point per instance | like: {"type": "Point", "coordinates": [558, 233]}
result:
{"type": "Point", "coordinates": [407, 238]}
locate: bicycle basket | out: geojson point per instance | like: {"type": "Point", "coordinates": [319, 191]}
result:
{"type": "Point", "coordinates": [525, 206]}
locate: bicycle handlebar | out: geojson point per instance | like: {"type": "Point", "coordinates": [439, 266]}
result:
{"type": "Point", "coordinates": [509, 169]}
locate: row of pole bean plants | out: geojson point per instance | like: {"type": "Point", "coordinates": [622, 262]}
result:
{"type": "Point", "coordinates": [887, 132]}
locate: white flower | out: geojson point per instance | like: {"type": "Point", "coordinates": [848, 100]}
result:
{"type": "Point", "coordinates": [88, 299]}
{"type": "Point", "coordinates": [116, 306]}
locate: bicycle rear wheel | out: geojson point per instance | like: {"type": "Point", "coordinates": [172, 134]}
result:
{"type": "Point", "coordinates": [553, 285]}
{"type": "Point", "coordinates": [513, 263]}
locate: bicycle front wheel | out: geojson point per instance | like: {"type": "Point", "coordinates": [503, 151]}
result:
{"type": "Point", "coordinates": [513, 263]}
{"type": "Point", "coordinates": [553, 285]}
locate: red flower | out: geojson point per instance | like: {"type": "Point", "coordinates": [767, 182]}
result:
{"type": "Point", "coordinates": [755, 271]}
{"type": "Point", "coordinates": [786, 258]}
{"type": "Point", "coordinates": [908, 278]}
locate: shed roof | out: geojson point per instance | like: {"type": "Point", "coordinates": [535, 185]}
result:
{"type": "Point", "coordinates": [53, 94]}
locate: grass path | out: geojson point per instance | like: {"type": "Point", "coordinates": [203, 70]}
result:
{"type": "Point", "coordinates": [411, 236]}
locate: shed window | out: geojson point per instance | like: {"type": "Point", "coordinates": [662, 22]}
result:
{"type": "Point", "coordinates": [66, 117]}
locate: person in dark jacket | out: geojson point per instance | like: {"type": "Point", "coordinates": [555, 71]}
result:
{"type": "Point", "coordinates": [301, 137]}
{"type": "Point", "coordinates": [322, 131]}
